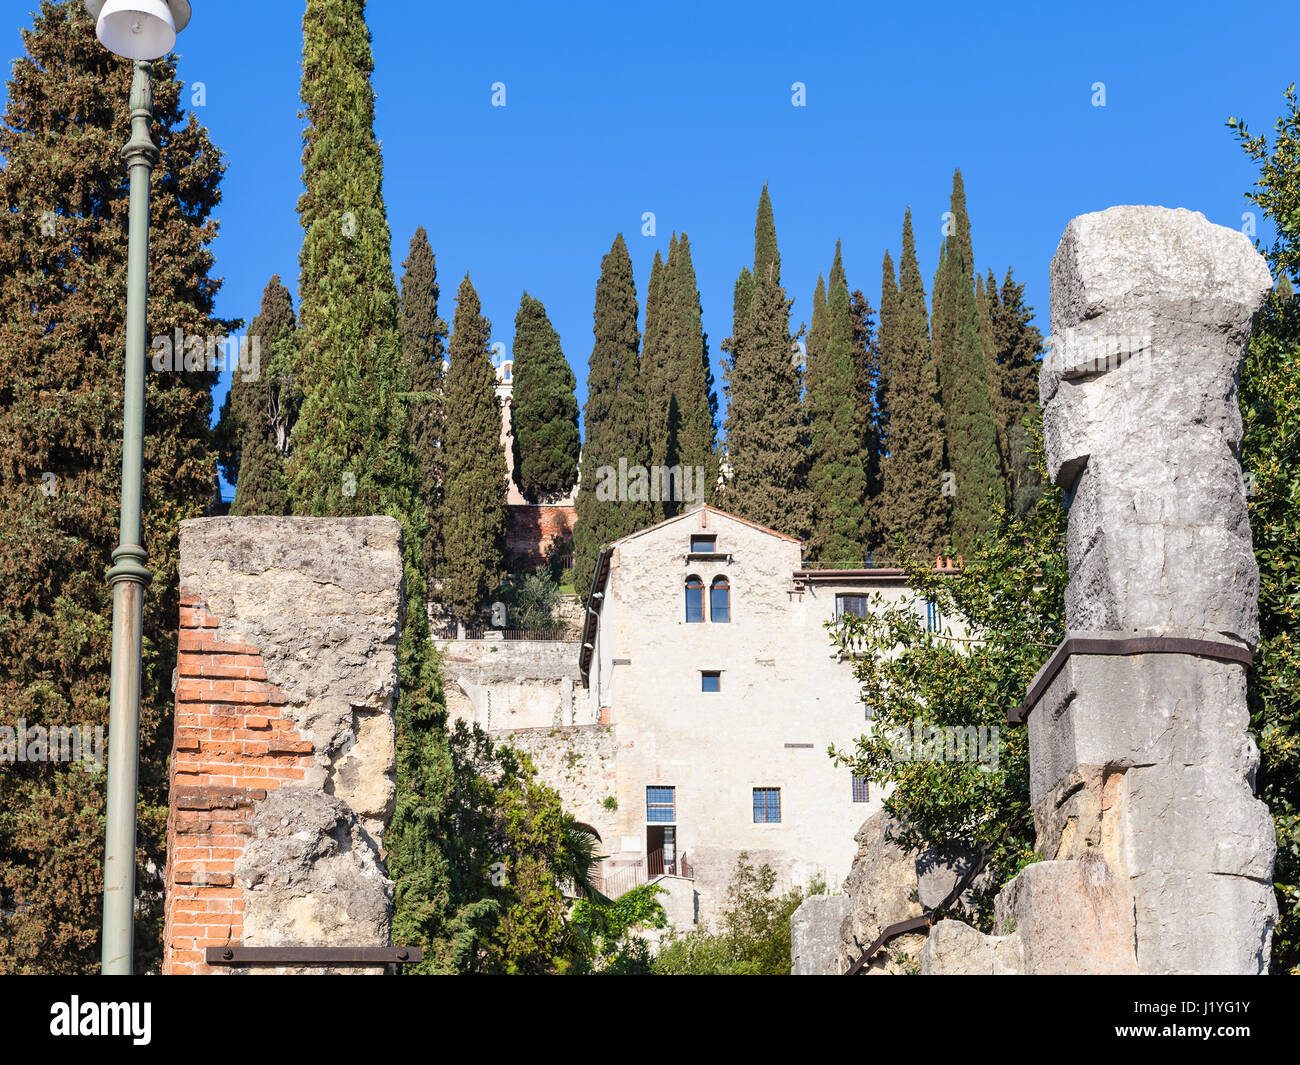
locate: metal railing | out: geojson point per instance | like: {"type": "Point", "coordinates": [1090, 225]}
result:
{"type": "Point", "coordinates": [484, 632]}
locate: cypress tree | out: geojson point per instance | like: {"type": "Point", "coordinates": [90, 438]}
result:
{"type": "Point", "coordinates": [697, 399]}
{"type": "Point", "coordinates": [350, 445]}
{"type": "Point", "coordinates": [473, 528]}
{"type": "Point", "coordinates": [969, 427]}
{"type": "Point", "coordinates": [837, 480]}
{"type": "Point", "coordinates": [913, 507]}
{"type": "Point", "coordinates": [63, 282]}
{"type": "Point", "coordinates": [866, 362]}
{"type": "Point", "coordinates": [1018, 344]}
{"type": "Point", "coordinates": [260, 409]}
{"type": "Point", "coordinates": [986, 301]}
{"type": "Point", "coordinates": [423, 337]}
{"type": "Point", "coordinates": [614, 417]}
{"type": "Point", "coordinates": [653, 363]}
{"type": "Point", "coordinates": [545, 411]}
{"type": "Point", "coordinates": [766, 434]}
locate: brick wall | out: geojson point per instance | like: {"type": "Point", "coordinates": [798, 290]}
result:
{"type": "Point", "coordinates": [233, 743]}
{"type": "Point", "coordinates": [533, 530]}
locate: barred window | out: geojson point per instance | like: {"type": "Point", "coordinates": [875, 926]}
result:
{"type": "Point", "coordinates": [661, 805]}
{"type": "Point", "coordinates": [767, 805]}
{"type": "Point", "coordinates": [933, 619]}
{"type": "Point", "coordinates": [850, 604]}
{"type": "Point", "coordinates": [861, 789]}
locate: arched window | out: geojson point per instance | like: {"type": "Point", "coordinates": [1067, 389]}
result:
{"type": "Point", "coordinates": [720, 600]}
{"type": "Point", "coordinates": [694, 599]}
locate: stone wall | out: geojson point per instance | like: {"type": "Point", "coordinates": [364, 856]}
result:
{"type": "Point", "coordinates": [578, 762]}
{"type": "Point", "coordinates": [283, 765]}
{"type": "Point", "coordinates": [512, 684]}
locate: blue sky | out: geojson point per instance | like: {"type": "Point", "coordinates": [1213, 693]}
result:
{"type": "Point", "coordinates": [685, 110]}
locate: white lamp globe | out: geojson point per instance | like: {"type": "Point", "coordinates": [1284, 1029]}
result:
{"type": "Point", "coordinates": [139, 29]}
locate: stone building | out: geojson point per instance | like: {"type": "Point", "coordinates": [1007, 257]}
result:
{"type": "Point", "coordinates": [709, 690]}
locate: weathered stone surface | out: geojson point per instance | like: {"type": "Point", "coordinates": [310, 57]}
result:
{"type": "Point", "coordinates": [1142, 767]}
{"type": "Point", "coordinates": [888, 884]}
{"type": "Point", "coordinates": [322, 598]}
{"type": "Point", "coordinates": [1122, 711]}
{"type": "Point", "coordinates": [310, 875]}
{"type": "Point", "coordinates": [954, 948]}
{"type": "Point", "coordinates": [1151, 311]}
{"type": "Point", "coordinates": [815, 935]}
{"type": "Point", "coordinates": [1195, 922]}
{"type": "Point", "coordinates": [1070, 917]}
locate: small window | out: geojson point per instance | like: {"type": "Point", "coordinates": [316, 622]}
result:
{"type": "Point", "coordinates": [720, 600]}
{"type": "Point", "coordinates": [850, 604]}
{"type": "Point", "coordinates": [767, 805]}
{"type": "Point", "coordinates": [694, 599]}
{"type": "Point", "coordinates": [703, 545]}
{"type": "Point", "coordinates": [933, 619]}
{"type": "Point", "coordinates": [861, 790]}
{"type": "Point", "coordinates": [661, 805]}
{"type": "Point", "coordinates": [710, 682]}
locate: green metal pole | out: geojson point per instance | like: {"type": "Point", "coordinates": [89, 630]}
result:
{"type": "Point", "coordinates": [129, 577]}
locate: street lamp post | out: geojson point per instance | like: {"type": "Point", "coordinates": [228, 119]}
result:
{"type": "Point", "coordinates": [140, 30]}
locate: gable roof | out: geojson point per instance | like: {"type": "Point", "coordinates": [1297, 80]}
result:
{"type": "Point", "coordinates": [712, 509]}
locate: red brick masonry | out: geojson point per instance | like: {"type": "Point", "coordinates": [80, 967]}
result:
{"type": "Point", "coordinates": [233, 743]}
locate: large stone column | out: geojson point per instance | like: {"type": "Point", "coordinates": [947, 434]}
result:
{"type": "Point", "coordinates": [1142, 767]}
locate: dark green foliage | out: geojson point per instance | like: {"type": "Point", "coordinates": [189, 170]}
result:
{"type": "Point", "coordinates": [754, 939]}
{"type": "Point", "coordinates": [608, 929]}
{"type": "Point", "coordinates": [912, 506]}
{"type": "Point", "coordinates": [423, 337]}
{"type": "Point", "coordinates": [63, 281]}
{"type": "Point", "coordinates": [1270, 404]}
{"type": "Point", "coordinates": [473, 529]}
{"type": "Point", "coordinates": [486, 854]}
{"type": "Point", "coordinates": [544, 414]}
{"type": "Point", "coordinates": [837, 480]}
{"type": "Point", "coordinates": [614, 418]}
{"type": "Point", "coordinates": [767, 443]}
{"type": "Point", "coordinates": [969, 426]}
{"type": "Point", "coordinates": [681, 402]}
{"type": "Point", "coordinates": [1016, 347]}
{"type": "Point", "coordinates": [260, 409]}
{"type": "Point", "coordinates": [1011, 592]}
{"type": "Point", "coordinates": [866, 363]}
{"type": "Point", "coordinates": [350, 448]}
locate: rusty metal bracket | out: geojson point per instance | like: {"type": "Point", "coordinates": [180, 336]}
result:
{"type": "Point", "coordinates": [1126, 646]}
{"type": "Point", "coordinates": [234, 954]}
{"type": "Point", "coordinates": [926, 919]}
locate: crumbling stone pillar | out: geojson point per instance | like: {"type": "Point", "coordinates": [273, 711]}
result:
{"type": "Point", "coordinates": [283, 765]}
{"type": "Point", "coordinates": [1142, 768]}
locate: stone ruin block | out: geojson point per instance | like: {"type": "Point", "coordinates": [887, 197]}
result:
{"type": "Point", "coordinates": [284, 764]}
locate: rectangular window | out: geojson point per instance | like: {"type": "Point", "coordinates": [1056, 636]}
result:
{"type": "Point", "coordinates": [767, 805]}
{"type": "Point", "coordinates": [710, 682]}
{"type": "Point", "coordinates": [850, 604]}
{"type": "Point", "coordinates": [861, 790]}
{"type": "Point", "coordinates": [703, 545]}
{"type": "Point", "coordinates": [661, 805]}
{"type": "Point", "coordinates": [933, 620]}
